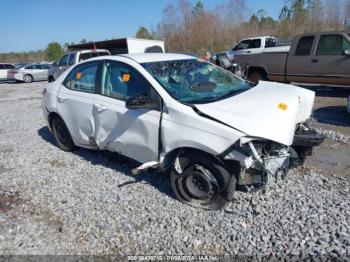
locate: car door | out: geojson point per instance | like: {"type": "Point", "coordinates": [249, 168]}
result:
{"type": "Point", "coordinates": [62, 66]}
{"type": "Point", "coordinates": [330, 63]}
{"type": "Point", "coordinates": [40, 72]}
{"type": "Point", "coordinates": [243, 47]}
{"type": "Point", "coordinates": [75, 102]}
{"type": "Point", "coordinates": [45, 71]}
{"type": "Point", "coordinates": [299, 60]}
{"type": "Point", "coordinates": [131, 132]}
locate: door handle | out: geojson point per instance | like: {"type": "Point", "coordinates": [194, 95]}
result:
{"type": "Point", "coordinates": [248, 52]}
{"type": "Point", "coordinates": [100, 108]}
{"type": "Point", "coordinates": [314, 60]}
{"type": "Point", "coordinates": [61, 99]}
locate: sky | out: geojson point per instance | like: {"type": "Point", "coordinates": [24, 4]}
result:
{"type": "Point", "coordinates": [31, 24]}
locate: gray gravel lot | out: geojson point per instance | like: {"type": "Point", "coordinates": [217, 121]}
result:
{"type": "Point", "coordinates": [87, 202]}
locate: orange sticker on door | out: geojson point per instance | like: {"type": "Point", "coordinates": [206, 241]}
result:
{"type": "Point", "coordinates": [126, 77]}
{"type": "Point", "coordinates": [78, 76]}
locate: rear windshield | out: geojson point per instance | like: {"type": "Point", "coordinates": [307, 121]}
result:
{"type": "Point", "coordinates": [85, 56]}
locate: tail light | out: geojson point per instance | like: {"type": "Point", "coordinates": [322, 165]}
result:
{"type": "Point", "coordinates": [43, 92]}
{"type": "Point", "coordinates": [13, 71]}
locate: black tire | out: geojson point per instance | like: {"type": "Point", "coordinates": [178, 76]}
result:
{"type": "Point", "coordinates": [51, 79]}
{"type": "Point", "coordinates": [27, 78]}
{"type": "Point", "coordinates": [203, 182]}
{"type": "Point", "coordinates": [61, 134]}
{"type": "Point", "coordinates": [255, 76]}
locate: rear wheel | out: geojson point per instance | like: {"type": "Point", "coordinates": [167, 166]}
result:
{"type": "Point", "coordinates": [256, 75]}
{"type": "Point", "coordinates": [62, 135]}
{"type": "Point", "coordinates": [201, 181]}
{"type": "Point", "coordinates": [27, 78]}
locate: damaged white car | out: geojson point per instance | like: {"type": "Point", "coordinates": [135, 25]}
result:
{"type": "Point", "coordinates": [210, 130]}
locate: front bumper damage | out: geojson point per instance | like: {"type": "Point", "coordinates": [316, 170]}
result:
{"type": "Point", "coordinates": [305, 139]}
{"type": "Point", "coordinates": [260, 159]}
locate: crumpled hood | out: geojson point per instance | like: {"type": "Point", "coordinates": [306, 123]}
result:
{"type": "Point", "coordinates": [256, 112]}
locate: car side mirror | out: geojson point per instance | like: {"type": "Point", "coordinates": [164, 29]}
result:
{"type": "Point", "coordinates": [141, 101]}
{"type": "Point", "coordinates": [346, 52]}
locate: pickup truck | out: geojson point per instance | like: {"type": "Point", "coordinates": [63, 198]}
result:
{"type": "Point", "coordinates": [316, 58]}
{"type": "Point", "coordinates": [73, 58]}
{"type": "Point", "coordinates": [251, 45]}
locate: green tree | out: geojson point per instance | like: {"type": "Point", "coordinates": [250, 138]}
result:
{"type": "Point", "coordinates": [83, 41]}
{"type": "Point", "coordinates": [53, 51]}
{"type": "Point", "coordinates": [143, 33]}
{"type": "Point", "coordinates": [198, 8]}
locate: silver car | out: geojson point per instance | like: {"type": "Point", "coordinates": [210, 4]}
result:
{"type": "Point", "coordinates": [29, 73]}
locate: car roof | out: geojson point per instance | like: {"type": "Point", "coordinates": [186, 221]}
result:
{"type": "Point", "coordinates": [149, 57]}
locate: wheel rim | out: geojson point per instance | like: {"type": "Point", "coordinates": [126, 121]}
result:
{"type": "Point", "coordinates": [62, 132]}
{"type": "Point", "coordinates": [197, 183]}
{"type": "Point", "coordinates": [27, 79]}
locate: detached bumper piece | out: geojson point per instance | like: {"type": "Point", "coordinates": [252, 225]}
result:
{"type": "Point", "coordinates": [304, 141]}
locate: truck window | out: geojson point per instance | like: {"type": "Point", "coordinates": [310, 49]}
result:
{"type": "Point", "coordinates": [270, 42]}
{"type": "Point", "coordinates": [84, 56]}
{"type": "Point", "coordinates": [63, 61]}
{"type": "Point", "coordinates": [255, 43]}
{"type": "Point", "coordinates": [243, 45]}
{"type": "Point", "coordinates": [332, 45]}
{"type": "Point", "coordinates": [304, 46]}
{"type": "Point", "coordinates": [95, 54]}
{"type": "Point", "coordinates": [71, 59]}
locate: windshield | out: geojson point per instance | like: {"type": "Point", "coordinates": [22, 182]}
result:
{"type": "Point", "coordinates": [195, 81]}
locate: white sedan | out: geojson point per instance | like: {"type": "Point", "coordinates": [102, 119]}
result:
{"type": "Point", "coordinates": [212, 131]}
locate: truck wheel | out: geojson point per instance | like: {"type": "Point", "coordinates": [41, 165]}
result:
{"type": "Point", "coordinates": [256, 75]}
{"type": "Point", "coordinates": [201, 181]}
{"type": "Point", "coordinates": [27, 78]}
{"type": "Point", "coordinates": [62, 135]}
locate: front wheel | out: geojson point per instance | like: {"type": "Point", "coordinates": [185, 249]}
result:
{"type": "Point", "coordinates": [27, 78]}
{"type": "Point", "coordinates": [202, 181]}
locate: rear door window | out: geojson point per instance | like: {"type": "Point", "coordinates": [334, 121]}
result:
{"type": "Point", "coordinates": [304, 46]}
{"type": "Point", "coordinates": [1, 66]}
{"type": "Point", "coordinates": [82, 78]}
{"type": "Point", "coordinates": [255, 43]}
{"type": "Point", "coordinates": [270, 42]}
{"type": "Point", "coordinates": [332, 45]}
{"type": "Point", "coordinates": [42, 67]}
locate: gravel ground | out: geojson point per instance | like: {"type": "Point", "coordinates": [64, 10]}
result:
{"type": "Point", "coordinates": [87, 202]}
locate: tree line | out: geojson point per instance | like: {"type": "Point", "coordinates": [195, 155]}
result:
{"type": "Point", "coordinates": [52, 52]}
{"type": "Point", "coordinates": [193, 28]}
